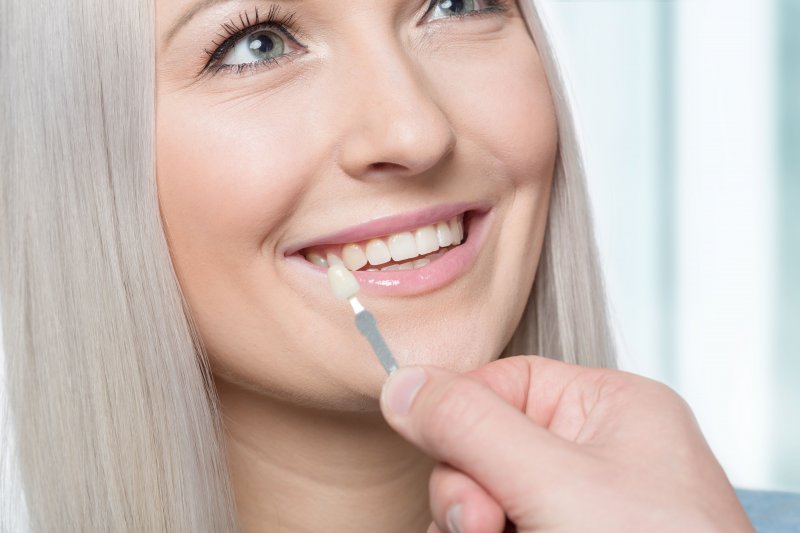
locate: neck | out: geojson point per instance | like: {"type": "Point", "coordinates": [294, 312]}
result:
{"type": "Point", "coordinates": [304, 470]}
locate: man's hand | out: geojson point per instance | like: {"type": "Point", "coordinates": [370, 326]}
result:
{"type": "Point", "coordinates": [558, 447]}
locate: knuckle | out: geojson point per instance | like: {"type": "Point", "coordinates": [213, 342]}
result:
{"type": "Point", "coordinates": [454, 413]}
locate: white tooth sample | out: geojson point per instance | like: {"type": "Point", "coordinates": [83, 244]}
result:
{"type": "Point", "coordinates": [426, 240]}
{"type": "Point", "coordinates": [343, 283]}
{"type": "Point", "coordinates": [353, 256]}
{"type": "Point", "coordinates": [373, 270]}
{"type": "Point", "coordinates": [455, 229]}
{"type": "Point", "coordinates": [390, 268]}
{"type": "Point", "coordinates": [406, 266]}
{"type": "Point", "coordinates": [334, 259]}
{"type": "Point", "coordinates": [317, 259]}
{"type": "Point", "coordinates": [419, 263]}
{"type": "Point", "coordinates": [403, 246]}
{"type": "Point", "coordinates": [443, 234]}
{"type": "Point", "coordinates": [378, 252]}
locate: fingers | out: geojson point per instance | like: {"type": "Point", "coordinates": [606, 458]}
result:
{"type": "Point", "coordinates": [461, 421]}
{"type": "Point", "coordinates": [536, 385]}
{"type": "Point", "coordinates": [460, 505]}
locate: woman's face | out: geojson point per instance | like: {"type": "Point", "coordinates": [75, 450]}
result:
{"type": "Point", "coordinates": [363, 129]}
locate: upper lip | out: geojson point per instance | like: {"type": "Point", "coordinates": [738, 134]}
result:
{"type": "Point", "coordinates": [379, 227]}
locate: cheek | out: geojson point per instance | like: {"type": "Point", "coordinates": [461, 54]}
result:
{"type": "Point", "coordinates": [503, 103]}
{"type": "Point", "coordinates": [222, 180]}
{"type": "Point", "coordinates": [227, 178]}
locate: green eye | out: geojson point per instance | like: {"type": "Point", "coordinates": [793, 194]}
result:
{"type": "Point", "coordinates": [454, 7]}
{"type": "Point", "coordinates": [258, 46]}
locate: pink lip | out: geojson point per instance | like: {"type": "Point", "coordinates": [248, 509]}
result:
{"type": "Point", "coordinates": [435, 275]}
{"type": "Point", "coordinates": [383, 226]}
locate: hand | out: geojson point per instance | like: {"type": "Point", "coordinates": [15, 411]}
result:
{"type": "Point", "coordinates": [558, 447]}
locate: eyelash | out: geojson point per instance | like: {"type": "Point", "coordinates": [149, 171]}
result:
{"type": "Point", "coordinates": [286, 25]}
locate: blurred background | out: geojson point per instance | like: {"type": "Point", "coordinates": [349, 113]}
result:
{"type": "Point", "coordinates": [689, 113]}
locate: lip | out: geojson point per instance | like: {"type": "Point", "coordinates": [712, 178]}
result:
{"type": "Point", "coordinates": [380, 227]}
{"type": "Point", "coordinates": [432, 276]}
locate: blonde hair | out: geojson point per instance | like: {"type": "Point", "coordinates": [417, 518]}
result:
{"type": "Point", "coordinates": [115, 418]}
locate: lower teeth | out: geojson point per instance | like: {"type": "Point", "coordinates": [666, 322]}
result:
{"type": "Point", "coordinates": [409, 265]}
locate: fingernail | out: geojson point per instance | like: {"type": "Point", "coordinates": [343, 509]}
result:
{"type": "Point", "coordinates": [401, 387]}
{"type": "Point", "coordinates": [454, 519]}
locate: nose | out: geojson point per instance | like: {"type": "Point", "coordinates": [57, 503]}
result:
{"type": "Point", "coordinates": [393, 125]}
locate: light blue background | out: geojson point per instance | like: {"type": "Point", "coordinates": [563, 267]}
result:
{"type": "Point", "coordinates": [690, 119]}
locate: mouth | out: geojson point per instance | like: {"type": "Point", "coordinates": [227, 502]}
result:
{"type": "Point", "coordinates": [425, 250]}
{"type": "Point", "coordinates": [405, 250]}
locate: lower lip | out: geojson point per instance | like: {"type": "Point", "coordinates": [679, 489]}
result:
{"type": "Point", "coordinates": [432, 276]}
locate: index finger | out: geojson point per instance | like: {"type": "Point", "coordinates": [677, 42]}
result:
{"type": "Point", "coordinates": [537, 385]}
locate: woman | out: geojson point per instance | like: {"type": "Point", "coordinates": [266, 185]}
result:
{"type": "Point", "coordinates": [175, 361]}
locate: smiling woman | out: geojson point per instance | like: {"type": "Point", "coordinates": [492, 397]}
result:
{"type": "Point", "coordinates": [179, 175]}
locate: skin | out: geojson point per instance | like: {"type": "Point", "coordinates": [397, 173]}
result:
{"type": "Point", "coordinates": [383, 112]}
{"type": "Point", "coordinates": [592, 450]}
{"type": "Point", "coordinates": [369, 122]}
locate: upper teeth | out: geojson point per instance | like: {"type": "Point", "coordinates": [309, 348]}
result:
{"type": "Point", "coordinates": [397, 246]}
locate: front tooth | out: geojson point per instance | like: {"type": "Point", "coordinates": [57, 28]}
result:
{"type": "Point", "coordinates": [317, 259]}
{"type": "Point", "coordinates": [455, 229]}
{"type": "Point", "coordinates": [403, 246]}
{"type": "Point", "coordinates": [377, 252]}
{"type": "Point", "coordinates": [353, 256]}
{"type": "Point", "coordinates": [406, 266]}
{"type": "Point", "coordinates": [334, 259]}
{"type": "Point", "coordinates": [443, 234]}
{"type": "Point", "coordinates": [390, 268]}
{"type": "Point", "coordinates": [426, 240]}
{"type": "Point", "coordinates": [419, 263]}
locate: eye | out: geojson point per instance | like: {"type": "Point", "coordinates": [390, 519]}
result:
{"type": "Point", "coordinates": [261, 45]}
{"type": "Point", "coordinates": [456, 8]}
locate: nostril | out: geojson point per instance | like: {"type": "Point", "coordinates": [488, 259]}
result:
{"type": "Point", "coordinates": [385, 169]}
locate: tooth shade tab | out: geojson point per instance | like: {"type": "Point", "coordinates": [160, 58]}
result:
{"type": "Point", "coordinates": [343, 283]}
{"type": "Point", "coordinates": [334, 259]}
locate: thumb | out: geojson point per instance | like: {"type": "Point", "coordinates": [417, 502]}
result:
{"type": "Point", "coordinates": [461, 421]}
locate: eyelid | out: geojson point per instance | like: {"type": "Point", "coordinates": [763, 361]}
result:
{"type": "Point", "coordinates": [230, 42]}
{"type": "Point", "coordinates": [275, 20]}
{"type": "Point", "coordinates": [256, 29]}
{"type": "Point", "coordinates": [489, 7]}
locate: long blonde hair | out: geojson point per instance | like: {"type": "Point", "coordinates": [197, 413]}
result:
{"type": "Point", "coordinates": [115, 418]}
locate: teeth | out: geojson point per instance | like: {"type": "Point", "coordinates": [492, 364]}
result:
{"type": "Point", "coordinates": [443, 234]}
{"type": "Point", "coordinates": [408, 265]}
{"type": "Point", "coordinates": [399, 247]}
{"type": "Point", "coordinates": [402, 246]}
{"type": "Point", "coordinates": [317, 260]}
{"type": "Point", "coordinates": [334, 259]}
{"type": "Point", "coordinates": [378, 252]}
{"type": "Point", "coordinates": [426, 240]}
{"type": "Point", "coordinates": [353, 256]}
{"type": "Point", "coordinates": [456, 230]}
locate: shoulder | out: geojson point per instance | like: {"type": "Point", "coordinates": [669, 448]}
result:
{"type": "Point", "coordinates": [771, 511]}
